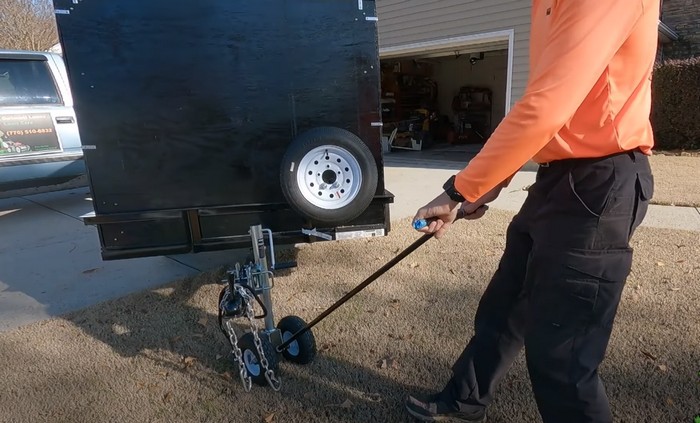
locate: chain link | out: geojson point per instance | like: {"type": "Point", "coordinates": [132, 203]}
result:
{"type": "Point", "coordinates": [233, 340]}
{"type": "Point", "coordinates": [242, 372]}
{"type": "Point", "coordinates": [272, 380]}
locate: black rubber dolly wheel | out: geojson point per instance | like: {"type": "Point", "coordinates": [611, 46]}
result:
{"type": "Point", "coordinates": [303, 349]}
{"type": "Point", "coordinates": [251, 357]}
{"type": "Point", "coordinates": [329, 175]}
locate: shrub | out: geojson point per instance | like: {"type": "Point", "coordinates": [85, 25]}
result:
{"type": "Point", "coordinates": [675, 114]}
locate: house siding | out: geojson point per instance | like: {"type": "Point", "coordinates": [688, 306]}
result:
{"type": "Point", "coordinates": [404, 22]}
{"type": "Point", "coordinates": [683, 16]}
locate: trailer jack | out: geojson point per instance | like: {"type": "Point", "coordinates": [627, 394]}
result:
{"type": "Point", "coordinates": [256, 352]}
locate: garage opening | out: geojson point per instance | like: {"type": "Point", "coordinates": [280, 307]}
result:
{"type": "Point", "coordinates": [444, 98]}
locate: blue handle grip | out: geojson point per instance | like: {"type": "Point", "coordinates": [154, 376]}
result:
{"type": "Point", "coordinates": [420, 224]}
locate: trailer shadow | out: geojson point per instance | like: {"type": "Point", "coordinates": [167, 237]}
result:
{"type": "Point", "coordinates": [175, 328]}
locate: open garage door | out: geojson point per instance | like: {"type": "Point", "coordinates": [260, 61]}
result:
{"type": "Point", "coordinates": [444, 96]}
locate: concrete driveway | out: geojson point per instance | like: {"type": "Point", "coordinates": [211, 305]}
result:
{"type": "Point", "coordinates": [50, 261]}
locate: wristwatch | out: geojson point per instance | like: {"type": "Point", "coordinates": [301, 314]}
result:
{"type": "Point", "coordinates": [451, 191]}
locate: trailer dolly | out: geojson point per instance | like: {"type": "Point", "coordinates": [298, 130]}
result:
{"type": "Point", "coordinates": [256, 352]}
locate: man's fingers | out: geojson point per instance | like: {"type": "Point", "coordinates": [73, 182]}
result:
{"type": "Point", "coordinates": [435, 225]}
{"type": "Point", "coordinates": [431, 227]}
{"type": "Point", "coordinates": [420, 214]}
{"type": "Point", "coordinates": [439, 226]}
{"type": "Point", "coordinates": [442, 231]}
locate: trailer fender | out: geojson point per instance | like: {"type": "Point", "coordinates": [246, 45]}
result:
{"type": "Point", "coordinates": [329, 175]}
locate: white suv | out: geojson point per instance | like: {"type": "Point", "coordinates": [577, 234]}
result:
{"type": "Point", "coordinates": [39, 138]}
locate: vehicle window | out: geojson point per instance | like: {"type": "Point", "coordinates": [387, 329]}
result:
{"type": "Point", "coordinates": [24, 82]}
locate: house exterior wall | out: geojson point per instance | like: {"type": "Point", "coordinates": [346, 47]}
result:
{"type": "Point", "coordinates": [410, 21]}
{"type": "Point", "coordinates": [683, 16]}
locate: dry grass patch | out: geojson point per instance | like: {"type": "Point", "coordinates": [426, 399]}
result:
{"type": "Point", "coordinates": [158, 356]}
{"type": "Point", "coordinates": [677, 180]}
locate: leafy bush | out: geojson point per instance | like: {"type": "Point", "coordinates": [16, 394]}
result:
{"type": "Point", "coordinates": [675, 112]}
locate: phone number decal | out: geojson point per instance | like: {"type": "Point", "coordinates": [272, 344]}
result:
{"type": "Point", "coordinates": [29, 131]}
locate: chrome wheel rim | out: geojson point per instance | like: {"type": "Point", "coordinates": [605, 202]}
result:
{"type": "Point", "coordinates": [329, 177]}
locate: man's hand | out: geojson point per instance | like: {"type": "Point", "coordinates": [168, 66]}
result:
{"type": "Point", "coordinates": [443, 211]}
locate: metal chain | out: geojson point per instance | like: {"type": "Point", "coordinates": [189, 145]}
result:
{"type": "Point", "coordinates": [242, 372]}
{"type": "Point", "coordinates": [272, 380]}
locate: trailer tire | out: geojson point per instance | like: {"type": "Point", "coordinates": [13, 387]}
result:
{"type": "Point", "coordinates": [329, 175]}
{"type": "Point", "coordinates": [303, 349]}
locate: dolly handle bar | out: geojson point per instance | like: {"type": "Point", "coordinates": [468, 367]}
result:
{"type": "Point", "coordinates": [411, 248]}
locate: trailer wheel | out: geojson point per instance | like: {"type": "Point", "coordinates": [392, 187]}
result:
{"type": "Point", "coordinates": [251, 357]}
{"type": "Point", "coordinates": [303, 349]}
{"type": "Point", "coordinates": [329, 175]}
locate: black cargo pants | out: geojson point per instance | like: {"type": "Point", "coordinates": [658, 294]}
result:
{"type": "Point", "coordinates": [557, 288]}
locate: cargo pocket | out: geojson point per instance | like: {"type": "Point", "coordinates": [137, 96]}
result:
{"type": "Point", "coordinates": [645, 192]}
{"type": "Point", "coordinates": [646, 185]}
{"type": "Point", "coordinates": [580, 288]}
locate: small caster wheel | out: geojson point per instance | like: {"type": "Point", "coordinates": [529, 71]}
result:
{"type": "Point", "coordinates": [251, 358]}
{"type": "Point", "coordinates": [303, 349]}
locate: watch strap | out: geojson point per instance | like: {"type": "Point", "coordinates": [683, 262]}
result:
{"type": "Point", "coordinates": [451, 190]}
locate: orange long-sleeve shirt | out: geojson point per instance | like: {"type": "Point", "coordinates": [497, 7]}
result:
{"type": "Point", "coordinates": [588, 93]}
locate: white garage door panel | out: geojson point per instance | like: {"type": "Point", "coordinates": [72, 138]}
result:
{"type": "Point", "coordinates": [461, 50]}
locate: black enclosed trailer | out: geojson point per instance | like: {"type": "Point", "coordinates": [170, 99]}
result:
{"type": "Point", "coordinates": [201, 119]}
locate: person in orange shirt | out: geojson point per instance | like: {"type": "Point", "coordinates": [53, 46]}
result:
{"type": "Point", "coordinates": [584, 117]}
